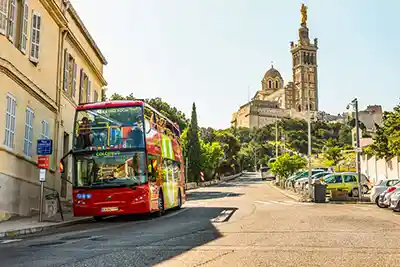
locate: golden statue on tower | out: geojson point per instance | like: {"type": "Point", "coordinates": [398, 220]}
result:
{"type": "Point", "coordinates": [303, 12]}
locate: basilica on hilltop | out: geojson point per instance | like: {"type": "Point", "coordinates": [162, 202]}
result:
{"type": "Point", "coordinates": [277, 99]}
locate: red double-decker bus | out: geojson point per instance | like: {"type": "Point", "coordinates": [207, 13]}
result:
{"type": "Point", "coordinates": [127, 159]}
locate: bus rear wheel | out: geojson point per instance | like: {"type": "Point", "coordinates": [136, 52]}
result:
{"type": "Point", "coordinates": [179, 200]}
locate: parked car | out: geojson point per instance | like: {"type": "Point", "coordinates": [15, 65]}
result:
{"type": "Point", "coordinates": [303, 182]}
{"type": "Point", "coordinates": [302, 174]}
{"type": "Point", "coordinates": [380, 187]}
{"type": "Point", "coordinates": [395, 200]}
{"type": "Point", "coordinates": [346, 181]}
{"type": "Point", "coordinates": [384, 198]}
{"type": "Point", "coordinates": [266, 174]}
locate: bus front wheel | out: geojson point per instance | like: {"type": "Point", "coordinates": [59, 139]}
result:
{"type": "Point", "coordinates": [98, 218]}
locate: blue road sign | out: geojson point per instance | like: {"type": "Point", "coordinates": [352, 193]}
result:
{"type": "Point", "coordinates": [44, 147]}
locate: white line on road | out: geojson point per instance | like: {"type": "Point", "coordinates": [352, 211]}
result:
{"type": "Point", "coordinates": [10, 241]}
{"type": "Point", "coordinates": [223, 216]}
{"type": "Point", "coordinates": [285, 203]}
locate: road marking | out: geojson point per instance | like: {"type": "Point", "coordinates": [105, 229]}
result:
{"type": "Point", "coordinates": [285, 203]}
{"type": "Point", "coordinates": [10, 241]}
{"type": "Point", "coordinates": [223, 216]}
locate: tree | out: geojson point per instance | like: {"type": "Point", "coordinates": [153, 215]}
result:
{"type": "Point", "coordinates": [334, 154]}
{"type": "Point", "coordinates": [387, 138]}
{"type": "Point", "coordinates": [286, 165]}
{"type": "Point", "coordinates": [212, 154]}
{"type": "Point", "coordinates": [193, 148]}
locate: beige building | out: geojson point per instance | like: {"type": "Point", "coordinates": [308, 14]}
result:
{"type": "Point", "coordinates": [48, 64]}
{"type": "Point", "coordinates": [276, 99]}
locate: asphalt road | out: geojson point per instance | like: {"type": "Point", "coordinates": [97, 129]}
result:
{"type": "Point", "coordinates": [245, 222]}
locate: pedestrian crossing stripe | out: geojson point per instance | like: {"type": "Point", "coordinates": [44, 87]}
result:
{"type": "Point", "coordinates": [285, 202]}
{"type": "Point", "coordinates": [10, 241]}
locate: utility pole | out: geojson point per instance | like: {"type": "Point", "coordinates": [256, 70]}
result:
{"type": "Point", "coordinates": [309, 138]}
{"type": "Point", "coordinates": [276, 136]}
{"type": "Point", "coordinates": [358, 149]}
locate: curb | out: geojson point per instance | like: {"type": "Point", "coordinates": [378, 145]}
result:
{"type": "Point", "coordinates": [349, 202]}
{"type": "Point", "coordinates": [38, 229]}
{"type": "Point", "coordinates": [294, 197]}
{"type": "Point", "coordinates": [298, 198]}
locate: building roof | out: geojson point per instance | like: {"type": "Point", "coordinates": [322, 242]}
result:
{"type": "Point", "coordinates": [272, 73]}
{"type": "Point", "coordinates": [86, 33]}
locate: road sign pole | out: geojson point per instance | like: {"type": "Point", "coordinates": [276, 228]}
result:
{"type": "Point", "coordinates": [42, 179]}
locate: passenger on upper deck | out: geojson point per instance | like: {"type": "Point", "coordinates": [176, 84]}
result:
{"type": "Point", "coordinates": [84, 132]}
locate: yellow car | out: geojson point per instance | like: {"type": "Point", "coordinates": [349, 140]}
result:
{"type": "Point", "coordinates": [346, 181]}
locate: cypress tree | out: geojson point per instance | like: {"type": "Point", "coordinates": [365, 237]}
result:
{"type": "Point", "coordinates": [194, 152]}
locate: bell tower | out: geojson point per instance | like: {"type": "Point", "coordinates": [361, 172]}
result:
{"type": "Point", "coordinates": [304, 66]}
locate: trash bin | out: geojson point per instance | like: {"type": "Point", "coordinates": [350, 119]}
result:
{"type": "Point", "coordinates": [319, 193]}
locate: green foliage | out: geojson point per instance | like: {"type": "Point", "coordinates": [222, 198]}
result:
{"type": "Point", "coordinates": [334, 154]}
{"type": "Point", "coordinates": [286, 165]}
{"type": "Point", "coordinates": [164, 108]}
{"type": "Point", "coordinates": [193, 148]}
{"type": "Point", "coordinates": [212, 154]}
{"type": "Point", "coordinates": [387, 139]}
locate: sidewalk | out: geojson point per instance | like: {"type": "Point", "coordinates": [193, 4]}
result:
{"type": "Point", "coordinates": [304, 198]}
{"type": "Point", "coordinates": [25, 226]}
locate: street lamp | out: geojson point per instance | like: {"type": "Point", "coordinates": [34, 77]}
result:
{"type": "Point", "coordinates": [354, 104]}
{"type": "Point", "coordinates": [276, 131]}
{"type": "Point", "coordinates": [309, 136]}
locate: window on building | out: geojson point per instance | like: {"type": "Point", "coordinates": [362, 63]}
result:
{"type": "Point", "coordinates": [70, 70]}
{"type": "Point", "coordinates": [269, 84]}
{"type": "Point", "coordinates": [89, 91]}
{"type": "Point", "coordinates": [11, 105]}
{"type": "Point", "coordinates": [23, 27]}
{"type": "Point", "coordinates": [3, 16]}
{"type": "Point", "coordinates": [28, 139]}
{"type": "Point", "coordinates": [35, 37]}
{"type": "Point", "coordinates": [45, 134]}
{"type": "Point", "coordinates": [12, 20]}
{"type": "Point", "coordinates": [84, 93]}
{"type": "Point", "coordinates": [276, 84]}
{"type": "Point", "coordinates": [96, 96]}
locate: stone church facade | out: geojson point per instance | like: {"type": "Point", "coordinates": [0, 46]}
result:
{"type": "Point", "coordinates": [275, 99]}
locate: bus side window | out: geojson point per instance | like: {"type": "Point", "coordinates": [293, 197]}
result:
{"type": "Point", "coordinates": [176, 172]}
{"type": "Point", "coordinates": [152, 167]}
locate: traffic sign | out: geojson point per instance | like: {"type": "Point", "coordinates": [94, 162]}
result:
{"type": "Point", "coordinates": [202, 176]}
{"type": "Point", "coordinates": [42, 175]}
{"type": "Point", "coordinates": [44, 147]}
{"type": "Point", "coordinates": [43, 162]}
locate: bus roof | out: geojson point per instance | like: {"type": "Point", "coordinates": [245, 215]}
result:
{"type": "Point", "coordinates": [123, 103]}
{"type": "Point", "coordinates": [110, 104]}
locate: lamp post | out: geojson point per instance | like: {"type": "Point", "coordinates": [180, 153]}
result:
{"type": "Point", "coordinates": [276, 131]}
{"type": "Point", "coordinates": [276, 136]}
{"type": "Point", "coordinates": [354, 104]}
{"type": "Point", "coordinates": [309, 137]}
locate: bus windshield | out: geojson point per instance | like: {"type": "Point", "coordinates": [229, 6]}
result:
{"type": "Point", "coordinates": [110, 169]}
{"type": "Point", "coordinates": [109, 128]}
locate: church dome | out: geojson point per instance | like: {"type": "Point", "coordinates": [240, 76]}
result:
{"type": "Point", "coordinates": [272, 73]}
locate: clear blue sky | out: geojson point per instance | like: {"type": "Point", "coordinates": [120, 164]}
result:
{"type": "Point", "coordinates": [212, 51]}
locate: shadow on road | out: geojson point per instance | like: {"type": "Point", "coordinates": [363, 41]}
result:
{"type": "Point", "coordinates": [201, 195]}
{"type": "Point", "coordinates": [150, 242]}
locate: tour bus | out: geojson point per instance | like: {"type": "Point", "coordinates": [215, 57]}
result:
{"type": "Point", "coordinates": [127, 159]}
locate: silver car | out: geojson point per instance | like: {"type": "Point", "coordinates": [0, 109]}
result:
{"type": "Point", "coordinates": [384, 197]}
{"type": "Point", "coordinates": [395, 201]}
{"type": "Point", "coordinates": [380, 187]}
